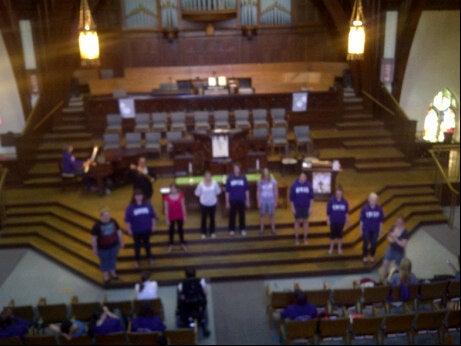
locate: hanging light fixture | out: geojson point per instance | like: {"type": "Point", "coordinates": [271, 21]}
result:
{"type": "Point", "coordinates": [356, 42]}
{"type": "Point", "coordinates": [88, 37]}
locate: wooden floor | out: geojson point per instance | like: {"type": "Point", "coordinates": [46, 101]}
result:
{"type": "Point", "coordinates": [57, 223]}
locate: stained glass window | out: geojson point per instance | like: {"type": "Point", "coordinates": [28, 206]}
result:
{"type": "Point", "coordinates": [441, 118]}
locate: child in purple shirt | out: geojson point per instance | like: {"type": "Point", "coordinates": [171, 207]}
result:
{"type": "Point", "coordinates": [301, 311]}
{"type": "Point", "coordinates": [237, 199]}
{"type": "Point", "coordinates": [301, 198]}
{"type": "Point", "coordinates": [140, 219]}
{"type": "Point", "coordinates": [12, 326]}
{"type": "Point", "coordinates": [337, 212]}
{"type": "Point", "coordinates": [147, 321]}
{"type": "Point", "coordinates": [371, 221]}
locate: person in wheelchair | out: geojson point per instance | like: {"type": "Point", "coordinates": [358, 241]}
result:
{"type": "Point", "coordinates": [192, 302]}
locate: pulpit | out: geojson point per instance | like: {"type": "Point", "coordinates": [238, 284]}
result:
{"type": "Point", "coordinates": [323, 176]}
{"type": "Point", "coordinates": [216, 150]}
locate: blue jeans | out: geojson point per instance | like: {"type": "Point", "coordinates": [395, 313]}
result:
{"type": "Point", "coordinates": [370, 240]}
{"type": "Point", "coordinates": [108, 258]}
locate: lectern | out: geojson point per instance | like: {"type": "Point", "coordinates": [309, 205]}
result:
{"type": "Point", "coordinates": [216, 150]}
{"type": "Point", "coordinates": [323, 175]}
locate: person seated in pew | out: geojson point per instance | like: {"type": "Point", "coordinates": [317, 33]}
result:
{"type": "Point", "coordinates": [142, 177]}
{"type": "Point", "coordinates": [147, 321]}
{"type": "Point", "coordinates": [69, 329]}
{"type": "Point", "coordinates": [12, 326]}
{"type": "Point", "coordinates": [192, 302]}
{"type": "Point", "coordinates": [146, 289]}
{"type": "Point", "coordinates": [302, 310]}
{"type": "Point", "coordinates": [402, 278]}
{"type": "Point", "coordinates": [105, 322]}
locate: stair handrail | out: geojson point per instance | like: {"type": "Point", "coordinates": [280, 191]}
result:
{"type": "Point", "coordinates": [374, 100]}
{"type": "Point", "coordinates": [48, 115]}
{"type": "Point", "coordinates": [440, 172]}
{"type": "Point", "coordinates": [4, 172]}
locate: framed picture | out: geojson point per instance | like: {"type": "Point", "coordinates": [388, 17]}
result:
{"type": "Point", "coordinates": [300, 100]}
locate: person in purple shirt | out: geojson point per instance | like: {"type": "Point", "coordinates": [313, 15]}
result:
{"type": "Point", "coordinates": [69, 164]}
{"type": "Point", "coordinates": [105, 322]}
{"type": "Point", "coordinates": [338, 217]}
{"type": "Point", "coordinates": [12, 326]}
{"type": "Point", "coordinates": [237, 199]}
{"type": "Point", "coordinates": [371, 223]}
{"type": "Point", "coordinates": [301, 311]}
{"type": "Point", "coordinates": [301, 198]}
{"type": "Point", "coordinates": [147, 321]}
{"type": "Point", "coordinates": [140, 219]}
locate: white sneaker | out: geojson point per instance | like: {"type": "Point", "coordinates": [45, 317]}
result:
{"type": "Point", "coordinates": [203, 236]}
{"type": "Point", "coordinates": [243, 233]}
{"type": "Point", "coordinates": [231, 233]}
{"type": "Point", "coordinates": [213, 236]}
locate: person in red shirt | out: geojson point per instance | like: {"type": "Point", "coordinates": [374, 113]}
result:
{"type": "Point", "coordinates": [175, 215]}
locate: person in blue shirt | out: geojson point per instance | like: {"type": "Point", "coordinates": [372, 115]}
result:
{"type": "Point", "coordinates": [146, 321]}
{"type": "Point", "coordinates": [337, 218]}
{"type": "Point", "coordinates": [140, 219]}
{"type": "Point", "coordinates": [301, 198]}
{"type": "Point", "coordinates": [371, 223]}
{"type": "Point", "coordinates": [237, 199]}
{"type": "Point", "coordinates": [301, 311]}
{"type": "Point", "coordinates": [70, 329]}
{"type": "Point", "coordinates": [12, 326]}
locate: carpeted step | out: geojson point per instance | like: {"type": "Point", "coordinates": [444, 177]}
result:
{"type": "Point", "coordinates": [358, 117]}
{"type": "Point", "coordinates": [371, 143]}
{"type": "Point", "coordinates": [357, 125]}
{"type": "Point", "coordinates": [382, 166]}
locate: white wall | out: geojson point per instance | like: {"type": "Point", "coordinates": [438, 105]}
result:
{"type": "Point", "coordinates": [433, 63]}
{"type": "Point", "coordinates": [11, 112]}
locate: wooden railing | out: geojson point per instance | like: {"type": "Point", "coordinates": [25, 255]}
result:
{"type": "Point", "coordinates": [446, 159]}
{"type": "Point", "coordinates": [3, 174]}
{"type": "Point", "coordinates": [388, 110]}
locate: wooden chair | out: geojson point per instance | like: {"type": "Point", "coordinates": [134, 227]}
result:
{"type": "Point", "coordinates": [297, 331]}
{"type": "Point", "coordinates": [433, 293]}
{"type": "Point", "coordinates": [334, 329]}
{"type": "Point", "coordinates": [346, 298]}
{"type": "Point", "coordinates": [451, 323]}
{"type": "Point", "coordinates": [40, 340]}
{"type": "Point", "coordinates": [399, 324]}
{"type": "Point", "coordinates": [143, 338]}
{"type": "Point", "coordinates": [124, 307]}
{"type": "Point", "coordinates": [181, 337]}
{"type": "Point", "coordinates": [410, 304]}
{"type": "Point", "coordinates": [319, 298]}
{"type": "Point", "coordinates": [367, 327]}
{"type": "Point", "coordinates": [430, 321]}
{"type": "Point", "coordinates": [375, 296]}
{"type": "Point", "coordinates": [11, 341]}
{"type": "Point", "coordinates": [24, 312]}
{"type": "Point", "coordinates": [156, 305]}
{"type": "Point", "coordinates": [453, 295]}
{"type": "Point", "coordinates": [84, 311]}
{"type": "Point", "coordinates": [111, 339]}
{"type": "Point", "coordinates": [52, 313]}
{"type": "Point", "coordinates": [82, 340]}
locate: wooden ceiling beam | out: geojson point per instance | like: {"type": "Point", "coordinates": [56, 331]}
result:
{"type": "Point", "coordinates": [337, 14]}
{"type": "Point", "coordinates": [409, 14]}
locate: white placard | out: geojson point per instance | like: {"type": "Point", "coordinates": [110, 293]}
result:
{"type": "Point", "coordinates": [220, 146]}
{"type": "Point", "coordinates": [300, 102]}
{"type": "Point", "coordinates": [126, 107]}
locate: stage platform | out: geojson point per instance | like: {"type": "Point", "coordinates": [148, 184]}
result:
{"type": "Point", "coordinates": [58, 225]}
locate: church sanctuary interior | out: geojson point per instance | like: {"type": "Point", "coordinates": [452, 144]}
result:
{"type": "Point", "coordinates": [229, 172]}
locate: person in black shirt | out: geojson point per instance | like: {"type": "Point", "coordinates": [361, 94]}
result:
{"type": "Point", "coordinates": [142, 177]}
{"type": "Point", "coordinates": [192, 302]}
{"type": "Point", "coordinates": [107, 240]}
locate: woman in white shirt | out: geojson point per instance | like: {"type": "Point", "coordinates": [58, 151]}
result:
{"type": "Point", "coordinates": [207, 192]}
{"type": "Point", "coordinates": [146, 289]}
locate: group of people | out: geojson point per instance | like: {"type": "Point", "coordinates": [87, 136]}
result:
{"type": "Point", "coordinates": [140, 216]}
{"type": "Point", "coordinates": [191, 309]}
